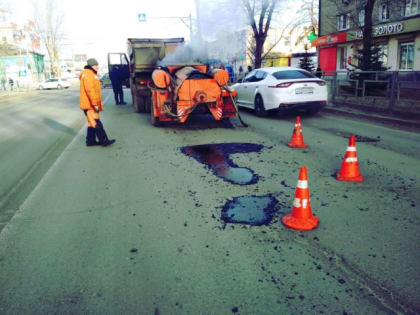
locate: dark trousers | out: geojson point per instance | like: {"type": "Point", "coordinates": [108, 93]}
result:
{"type": "Point", "coordinates": [118, 93]}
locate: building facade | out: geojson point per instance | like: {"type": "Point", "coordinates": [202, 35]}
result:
{"type": "Point", "coordinates": [20, 52]}
{"type": "Point", "coordinates": [396, 31]}
{"type": "Point", "coordinates": [287, 46]}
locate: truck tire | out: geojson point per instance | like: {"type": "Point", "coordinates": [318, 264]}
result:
{"type": "Point", "coordinates": [154, 120]}
{"type": "Point", "coordinates": [138, 103]}
{"type": "Point", "coordinates": [148, 103]}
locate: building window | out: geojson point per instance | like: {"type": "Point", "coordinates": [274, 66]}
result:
{"type": "Point", "coordinates": [362, 17]}
{"type": "Point", "coordinates": [384, 12]}
{"type": "Point", "coordinates": [411, 7]}
{"type": "Point", "coordinates": [383, 54]}
{"type": "Point", "coordinates": [343, 22]}
{"type": "Point", "coordinates": [343, 58]}
{"type": "Point", "coordinates": [406, 56]}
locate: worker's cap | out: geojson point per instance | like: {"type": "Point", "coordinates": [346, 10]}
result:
{"type": "Point", "coordinates": [92, 62]}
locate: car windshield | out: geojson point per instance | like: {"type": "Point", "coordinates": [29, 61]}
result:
{"type": "Point", "coordinates": [292, 74]}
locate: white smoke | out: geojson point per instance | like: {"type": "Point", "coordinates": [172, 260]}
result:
{"type": "Point", "coordinates": [185, 54]}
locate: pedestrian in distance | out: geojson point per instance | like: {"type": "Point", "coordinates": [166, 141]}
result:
{"type": "Point", "coordinates": [91, 104]}
{"type": "Point", "coordinates": [318, 71]}
{"type": "Point", "coordinates": [3, 82]}
{"type": "Point", "coordinates": [116, 77]}
{"type": "Point", "coordinates": [11, 82]}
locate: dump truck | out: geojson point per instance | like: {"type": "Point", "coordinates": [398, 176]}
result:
{"type": "Point", "coordinates": [143, 57]}
{"type": "Point", "coordinates": [181, 90]}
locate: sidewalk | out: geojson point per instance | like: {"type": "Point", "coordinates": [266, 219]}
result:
{"type": "Point", "coordinates": [16, 92]}
{"type": "Point", "coordinates": [389, 118]}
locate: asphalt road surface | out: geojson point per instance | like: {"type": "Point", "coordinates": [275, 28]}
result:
{"type": "Point", "coordinates": [136, 228]}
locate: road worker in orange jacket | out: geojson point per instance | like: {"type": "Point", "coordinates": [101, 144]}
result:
{"type": "Point", "coordinates": [91, 104]}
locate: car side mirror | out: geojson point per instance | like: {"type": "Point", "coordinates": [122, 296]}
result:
{"type": "Point", "coordinates": [240, 81]}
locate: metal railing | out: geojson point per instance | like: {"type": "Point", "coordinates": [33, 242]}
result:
{"type": "Point", "coordinates": [390, 91]}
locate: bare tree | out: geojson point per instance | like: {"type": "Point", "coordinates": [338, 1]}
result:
{"type": "Point", "coordinates": [307, 21]}
{"type": "Point", "coordinates": [49, 26]}
{"type": "Point", "coordinates": [259, 14]}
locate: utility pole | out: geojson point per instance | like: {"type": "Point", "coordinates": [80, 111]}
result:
{"type": "Point", "coordinates": [198, 22]}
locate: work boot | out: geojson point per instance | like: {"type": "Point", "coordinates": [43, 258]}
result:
{"type": "Point", "coordinates": [101, 134]}
{"type": "Point", "coordinates": [90, 137]}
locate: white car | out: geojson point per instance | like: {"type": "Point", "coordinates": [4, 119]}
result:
{"type": "Point", "coordinates": [55, 83]}
{"type": "Point", "coordinates": [281, 88]}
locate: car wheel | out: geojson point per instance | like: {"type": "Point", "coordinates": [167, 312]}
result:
{"type": "Point", "coordinates": [259, 107]}
{"type": "Point", "coordinates": [59, 87]}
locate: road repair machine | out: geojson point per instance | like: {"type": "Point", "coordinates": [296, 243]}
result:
{"type": "Point", "coordinates": [172, 93]}
{"type": "Point", "coordinates": [180, 90]}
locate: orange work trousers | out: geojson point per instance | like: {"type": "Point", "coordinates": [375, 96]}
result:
{"type": "Point", "coordinates": [91, 116]}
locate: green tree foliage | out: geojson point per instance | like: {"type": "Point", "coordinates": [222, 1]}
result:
{"type": "Point", "coordinates": [370, 59]}
{"type": "Point", "coordinates": [306, 62]}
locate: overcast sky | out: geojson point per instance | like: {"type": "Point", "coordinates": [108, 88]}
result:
{"type": "Point", "coordinates": [97, 27]}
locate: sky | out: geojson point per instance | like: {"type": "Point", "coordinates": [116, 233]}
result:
{"type": "Point", "coordinates": [97, 27]}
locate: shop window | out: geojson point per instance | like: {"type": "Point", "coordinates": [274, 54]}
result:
{"type": "Point", "coordinates": [384, 12]}
{"type": "Point", "coordinates": [343, 58]}
{"type": "Point", "coordinates": [383, 54]}
{"type": "Point", "coordinates": [343, 22]}
{"type": "Point", "coordinates": [406, 56]}
{"type": "Point", "coordinates": [362, 17]}
{"type": "Point", "coordinates": [411, 7]}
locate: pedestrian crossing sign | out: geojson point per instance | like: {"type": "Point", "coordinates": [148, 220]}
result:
{"type": "Point", "coordinates": [142, 17]}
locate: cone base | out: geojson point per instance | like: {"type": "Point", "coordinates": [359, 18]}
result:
{"type": "Point", "coordinates": [291, 145]}
{"type": "Point", "coordinates": [358, 178]}
{"type": "Point", "coordinates": [300, 224]}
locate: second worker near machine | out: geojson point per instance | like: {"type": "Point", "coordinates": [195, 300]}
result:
{"type": "Point", "coordinates": [116, 76]}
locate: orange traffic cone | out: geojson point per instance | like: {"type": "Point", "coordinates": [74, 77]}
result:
{"type": "Point", "coordinates": [350, 167]}
{"type": "Point", "coordinates": [297, 136]}
{"type": "Point", "coordinates": [301, 217]}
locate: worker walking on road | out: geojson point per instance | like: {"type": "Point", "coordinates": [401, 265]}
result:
{"type": "Point", "coordinates": [11, 83]}
{"type": "Point", "coordinates": [117, 80]}
{"type": "Point", "coordinates": [3, 82]}
{"type": "Point", "coordinates": [91, 104]}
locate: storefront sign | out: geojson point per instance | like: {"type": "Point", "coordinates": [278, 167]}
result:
{"type": "Point", "coordinates": [330, 39]}
{"type": "Point", "coordinates": [384, 30]}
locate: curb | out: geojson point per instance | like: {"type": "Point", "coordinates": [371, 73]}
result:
{"type": "Point", "coordinates": [373, 116]}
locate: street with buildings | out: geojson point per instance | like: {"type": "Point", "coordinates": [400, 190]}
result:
{"type": "Point", "coordinates": [209, 214]}
{"type": "Point", "coordinates": [138, 227]}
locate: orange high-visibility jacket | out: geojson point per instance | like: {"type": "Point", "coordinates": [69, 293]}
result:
{"type": "Point", "coordinates": [90, 90]}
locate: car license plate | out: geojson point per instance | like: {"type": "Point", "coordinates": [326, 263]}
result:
{"type": "Point", "coordinates": [304, 90]}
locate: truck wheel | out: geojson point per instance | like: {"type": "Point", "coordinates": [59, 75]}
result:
{"type": "Point", "coordinates": [148, 103]}
{"type": "Point", "coordinates": [138, 103]}
{"type": "Point", "coordinates": [154, 120]}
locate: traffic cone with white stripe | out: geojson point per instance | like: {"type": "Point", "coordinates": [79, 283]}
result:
{"type": "Point", "coordinates": [350, 170]}
{"type": "Point", "coordinates": [297, 136]}
{"type": "Point", "coordinates": [301, 217]}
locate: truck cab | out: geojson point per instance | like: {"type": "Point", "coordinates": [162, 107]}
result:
{"type": "Point", "coordinates": [143, 55]}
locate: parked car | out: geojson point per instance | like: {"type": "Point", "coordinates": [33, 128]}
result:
{"type": "Point", "coordinates": [281, 88]}
{"type": "Point", "coordinates": [55, 83]}
{"type": "Point", "coordinates": [105, 81]}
